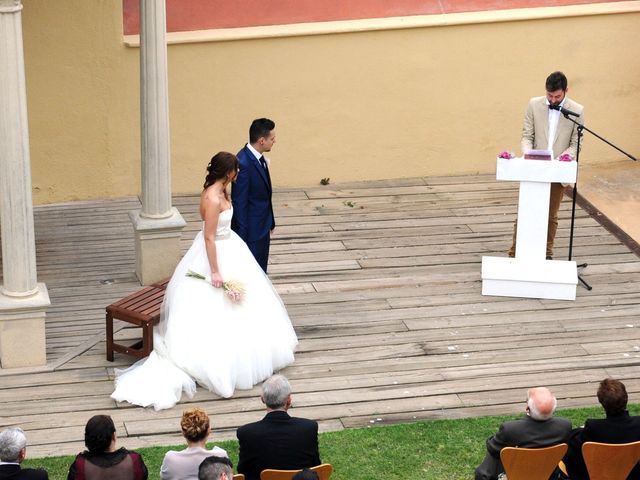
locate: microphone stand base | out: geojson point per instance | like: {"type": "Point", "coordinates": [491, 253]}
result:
{"type": "Point", "coordinates": [581, 280]}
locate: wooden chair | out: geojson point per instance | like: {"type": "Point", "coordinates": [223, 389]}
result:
{"type": "Point", "coordinates": [238, 476]}
{"type": "Point", "coordinates": [608, 461]}
{"type": "Point", "coordinates": [324, 472]}
{"type": "Point", "coordinates": [531, 463]}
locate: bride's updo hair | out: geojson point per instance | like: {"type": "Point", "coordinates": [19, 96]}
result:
{"type": "Point", "coordinates": [195, 424]}
{"type": "Point", "coordinates": [221, 165]}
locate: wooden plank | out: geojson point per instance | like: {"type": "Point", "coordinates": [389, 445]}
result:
{"type": "Point", "coordinates": [382, 283]}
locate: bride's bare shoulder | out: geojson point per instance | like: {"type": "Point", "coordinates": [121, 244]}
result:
{"type": "Point", "coordinates": [210, 201]}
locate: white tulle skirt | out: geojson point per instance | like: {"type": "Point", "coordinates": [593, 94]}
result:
{"type": "Point", "coordinates": [204, 336]}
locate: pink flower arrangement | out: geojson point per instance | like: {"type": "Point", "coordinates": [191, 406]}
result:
{"type": "Point", "coordinates": [565, 157]}
{"type": "Point", "coordinates": [234, 291]}
{"type": "Point", "coordinates": [507, 155]}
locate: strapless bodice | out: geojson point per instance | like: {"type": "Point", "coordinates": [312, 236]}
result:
{"type": "Point", "coordinates": [224, 224]}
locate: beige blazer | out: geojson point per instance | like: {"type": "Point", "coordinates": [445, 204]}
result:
{"type": "Point", "coordinates": [535, 131]}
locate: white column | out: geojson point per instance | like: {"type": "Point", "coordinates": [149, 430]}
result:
{"type": "Point", "coordinates": [157, 225]}
{"type": "Point", "coordinates": [22, 300]}
{"type": "Point", "coordinates": [154, 111]}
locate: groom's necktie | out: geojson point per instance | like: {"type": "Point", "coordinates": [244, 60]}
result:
{"type": "Point", "coordinates": [266, 170]}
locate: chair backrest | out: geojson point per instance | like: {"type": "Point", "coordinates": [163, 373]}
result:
{"type": "Point", "coordinates": [531, 463]}
{"type": "Point", "coordinates": [238, 476]}
{"type": "Point", "coordinates": [324, 472]}
{"type": "Point", "coordinates": [609, 461]}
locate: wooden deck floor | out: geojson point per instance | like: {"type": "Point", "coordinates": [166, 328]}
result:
{"type": "Point", "coordinates": [382, 282]}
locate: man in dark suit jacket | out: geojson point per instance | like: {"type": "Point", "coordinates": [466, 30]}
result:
{"type": "Point", "coordinates": [278, 440]}
{"type": "Point", "coordinates": [13, 450]}
{"type": "Point", "coordinates": [537, 429]}
{"type": "Point", "coordinates": [618, 427]}
{"type": "Point", "coordinates": [253, 218]}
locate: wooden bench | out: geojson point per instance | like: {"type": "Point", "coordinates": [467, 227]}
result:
{"type": "Point", "coordinates": [141, 309]}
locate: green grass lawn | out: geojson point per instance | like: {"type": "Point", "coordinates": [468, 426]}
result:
{"type": "Point", "coordinates": [438, 449]}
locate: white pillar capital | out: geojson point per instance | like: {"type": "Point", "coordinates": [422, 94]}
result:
{"type": "Point", "coordinates": [10, 6]}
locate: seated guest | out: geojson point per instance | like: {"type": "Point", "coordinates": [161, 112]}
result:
{"type": "Point", "coordinates": [183, 464]}
{"type": "Point", "coordinates": [215, 468]}
{"type": "Point", "coordinates": [618, 427]}
{"type": "Point", "coordinates": [277, 441]}
{"type": "Point", "coordinates": [306, 474]}
{"type": "Point", "coordinates": [13, 450]}
{"type": "Point", "coordinates": [102, 460]}
{"type": "Point", "coordinates": [538, 428]}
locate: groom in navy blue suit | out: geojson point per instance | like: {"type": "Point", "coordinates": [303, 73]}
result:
{"type": "Point", "coordinates": [253, 218]}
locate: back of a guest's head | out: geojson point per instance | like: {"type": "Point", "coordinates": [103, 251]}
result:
{"type": "Point", "coordinates": [212, 468]}
{"type": "Point", "coordinates": [98, 433]}
{"type": "Point", "coordinates": [613, 397]}
{"type": "Point", "coordinates": [306, 474]}
{"type": "Point", "coordinates": [541, 403]}
{"type": "Point", "coordinates": [12, 441]}
{"type": "Point", "coordinates": [195, 424]}
{"type": "Point", "coordinates": [275, 392]}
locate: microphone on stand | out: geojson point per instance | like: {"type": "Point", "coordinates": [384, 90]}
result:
{"type": "Point", "coordinates": [563, 110]}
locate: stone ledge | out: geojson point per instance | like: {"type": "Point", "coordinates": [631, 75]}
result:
{"type": "Point", "coordinates": [391, 23]}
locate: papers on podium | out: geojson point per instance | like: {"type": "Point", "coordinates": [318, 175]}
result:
{"type": "Point", "coordinates": [529, 274]}
{"type": "Point", "coordinates": [538, 155]}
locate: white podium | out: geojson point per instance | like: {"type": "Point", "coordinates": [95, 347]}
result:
{"type": "Point", "coordinates": [529, 274]}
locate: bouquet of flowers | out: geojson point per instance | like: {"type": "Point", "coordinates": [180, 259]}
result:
{"type": "Point", "coordinates": [565, 157]}
{"type": "Point", "coordinates": [234, 290]}
{"type": "Point", "coordinates": [507, 155]}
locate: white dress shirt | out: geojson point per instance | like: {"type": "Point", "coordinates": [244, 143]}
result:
{"type": "Point", "coordinates": [554, 118]}
{"type": "Point", "coordinates": [254, 151]}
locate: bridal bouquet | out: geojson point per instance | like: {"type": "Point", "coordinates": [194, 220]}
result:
{"type": "Point", "coordinates": [233, 290]}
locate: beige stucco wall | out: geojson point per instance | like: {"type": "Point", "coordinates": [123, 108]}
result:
{"type": "Point", "coordinates": [433, 100]}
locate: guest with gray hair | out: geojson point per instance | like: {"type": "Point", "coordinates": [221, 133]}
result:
{"type": "Point", "coordinates": [276, 392]}
{"type": "Point", "coordinates": [13, 450]}
{"type": "Point", "coordinates": [215, 468]}
{"type": "Point", "coordinates": [278, 441]}
{"type": "Point", "coordinates": [538, 428]}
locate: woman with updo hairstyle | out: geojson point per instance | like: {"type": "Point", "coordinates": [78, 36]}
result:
{"type": "Point", "coordinates": [102, 459]}
{"type": "Point", "coordinates": [183, 464]}
{"type": "Point", "coordinates": [222, 324]}
{"type": "Point", "coordinates": [223, 165]}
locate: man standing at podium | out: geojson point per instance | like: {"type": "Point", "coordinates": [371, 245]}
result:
{"type": "Point", "coordinates": [545, 128]}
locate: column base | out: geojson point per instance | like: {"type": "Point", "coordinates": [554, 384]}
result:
{"type": "Point", "coordinates": [22, 329]}
{"type": "Point", "coordinates": [157, 245]}
{"type": "Point", "coordinates": [513, 277]}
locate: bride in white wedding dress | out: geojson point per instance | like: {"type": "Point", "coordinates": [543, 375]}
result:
{"type": "Point", "coordinates": [203, 336]}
